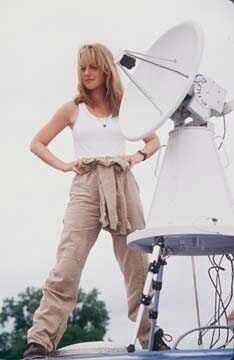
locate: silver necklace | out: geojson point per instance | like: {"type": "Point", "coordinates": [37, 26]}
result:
{"type": "Point", "coordinates": [103, 122]}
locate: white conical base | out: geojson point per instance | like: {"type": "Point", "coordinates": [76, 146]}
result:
{"type": "Point", "coordinates": [192, 207]}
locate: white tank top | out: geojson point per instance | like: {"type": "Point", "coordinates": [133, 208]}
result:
{"type": "Point", "coordinates": [94, 136]}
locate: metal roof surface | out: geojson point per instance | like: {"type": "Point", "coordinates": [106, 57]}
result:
{"type": "Point", "coordinates": [227, 354]}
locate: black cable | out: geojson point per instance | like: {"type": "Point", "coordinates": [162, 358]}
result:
{"type": "Point", "coordinates": [174, 347]}
{"type": "Point", "coordinates": [230, 259]}
{"type": "Point", "coordinates": [218, 297]}
{"type": "Point", "coordinates": [218, 283]}
{"type": "Point", "coordinates": [224, 132]}
{"type": "Point", "coordinates": [220, 305]}
{"type": "Point", "coordinates": [224, 308]}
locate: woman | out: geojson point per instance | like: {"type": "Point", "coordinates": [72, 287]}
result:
{"type": "Point", "coordinates": [99, 147]}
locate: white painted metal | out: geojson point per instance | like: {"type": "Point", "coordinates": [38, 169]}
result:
{"type": "Point", "coordinates": [192, 205]}
{"type": "Point", "coordinates": [228, 107]}
{"type": "Point", "coordinates": [93, 347]}
{"type": "Point", "coordinates": [177, 54]}
{"type": "Point", "coordinates": [208, 98]}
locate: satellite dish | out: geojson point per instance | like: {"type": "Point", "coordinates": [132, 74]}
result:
{"type": "Point", "coordinates": [184, 210]}
{"type": "Point", "coordinates": [161, 81]}
{"type": "Point", "coordinates": [192, 211]}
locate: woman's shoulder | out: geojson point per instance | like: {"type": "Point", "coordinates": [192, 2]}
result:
{"type": "Point", "coordinates": [72, 111]}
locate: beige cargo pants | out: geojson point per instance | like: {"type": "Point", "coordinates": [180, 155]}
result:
{"type": "Point", "coordinates": [80, 231]}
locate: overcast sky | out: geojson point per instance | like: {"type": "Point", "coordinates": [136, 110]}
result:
{"type": "Point", "coordinates": [39, 42]}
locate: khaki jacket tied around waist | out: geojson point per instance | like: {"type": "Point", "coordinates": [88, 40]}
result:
{"type": "Point", "coordinates": [120, 204]}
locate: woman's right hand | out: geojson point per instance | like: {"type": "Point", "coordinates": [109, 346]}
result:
{"type": "Point", "coordinates": [71, 166]}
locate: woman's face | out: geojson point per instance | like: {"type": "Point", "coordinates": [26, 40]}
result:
{"type": "Point", "coordinates": [92, 77]}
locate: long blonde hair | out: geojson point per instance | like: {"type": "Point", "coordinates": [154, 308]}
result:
{"type": "Point", "coordinates": [102, 57]}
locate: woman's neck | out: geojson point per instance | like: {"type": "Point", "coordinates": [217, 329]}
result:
{"type": "Point", "coordinates": [100, 105]}
{"type": "Point", "coordinates": [98, 97]}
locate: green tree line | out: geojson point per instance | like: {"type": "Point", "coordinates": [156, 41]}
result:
{"type": "Point", "coordinates": [88, 321]}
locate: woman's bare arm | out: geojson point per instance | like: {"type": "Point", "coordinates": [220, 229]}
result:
{"type": "Point", "coordinates": [152, 144]}
{"type": "Point", "coordinates": [61, 119]}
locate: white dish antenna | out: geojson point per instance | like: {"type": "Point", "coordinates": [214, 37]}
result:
{"type": "Point", "coordinates": [192, 211]}
{"type": "Point", "coordinates": [161, 81]}
{"type": "Point", "coordinates": [192, 208]}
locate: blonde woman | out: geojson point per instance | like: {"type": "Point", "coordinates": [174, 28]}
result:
{"type": "Point", "coordinates": [100, 154]}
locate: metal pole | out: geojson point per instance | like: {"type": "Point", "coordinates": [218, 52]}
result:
{"type": "Point", "coordinates": [145, 298]}
{"type": "Point", "coordinates": [196, 300]}
{"type": "Point", "coordinates": [157, 286]}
